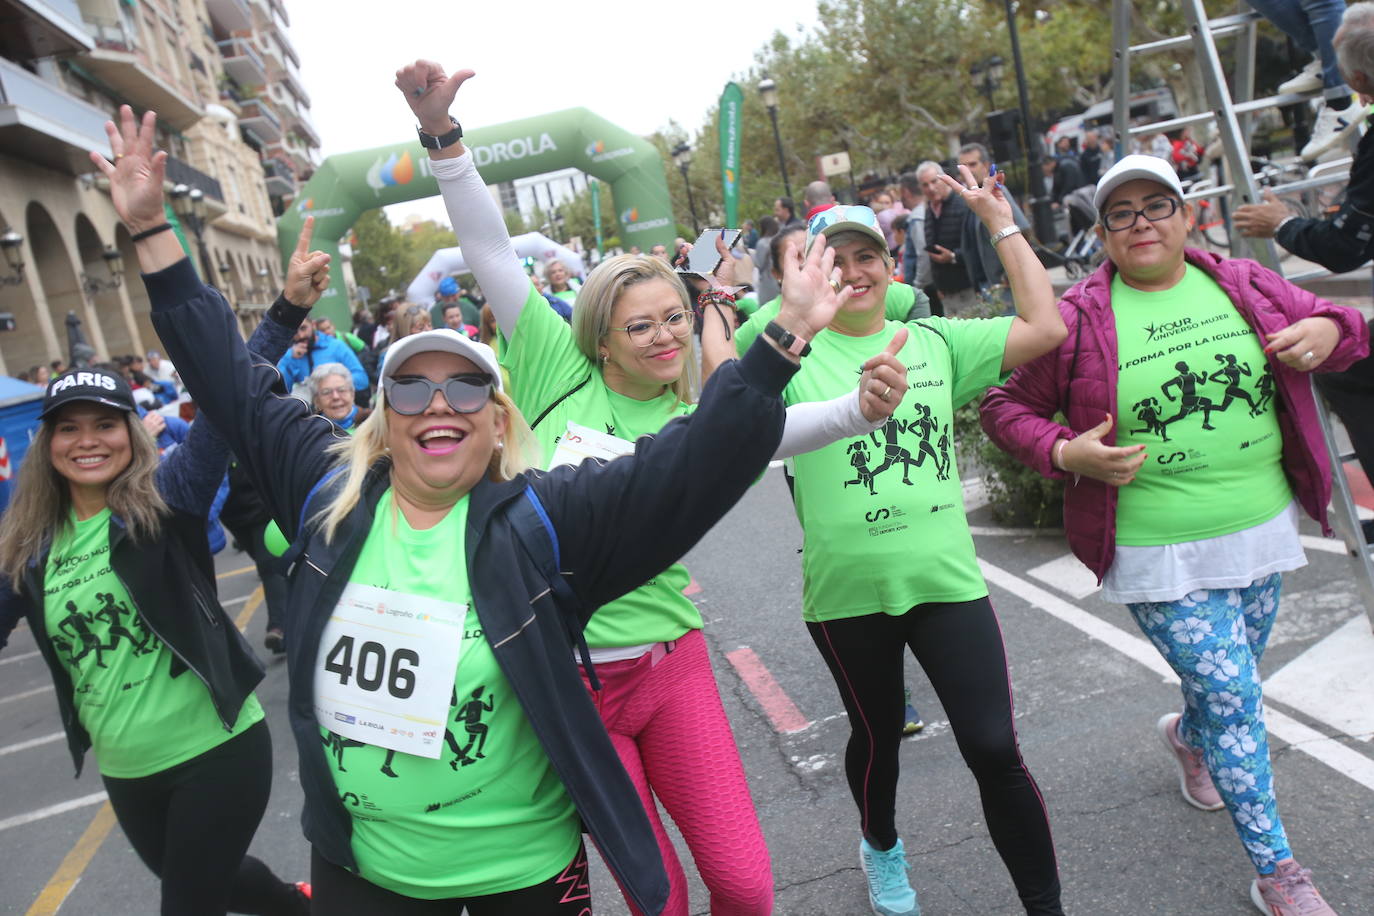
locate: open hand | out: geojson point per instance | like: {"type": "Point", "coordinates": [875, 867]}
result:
{"type": "Point", "coordinates": [1088, 457]}
{"type": "Point", "coordinates": [429, 92]}
{"type": "Point", "coordinates": [307, 273]}
{"type": "Point", "coordinates": [811, 291]}
{"type": "Point", "coordinates": [883, 382]}
{"type": "Point", "coordinates": [137, 172]}
{"type": "Point", "coordinates": [987, 200]}
{"type": "Point", "coordinates": [1261, 220]}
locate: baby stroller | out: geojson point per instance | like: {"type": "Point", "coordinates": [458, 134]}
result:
{"type": "Point", "coordinates": [1080, 255]}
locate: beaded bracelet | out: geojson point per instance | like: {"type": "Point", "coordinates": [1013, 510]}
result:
{"type": "Point", "coordinates": [716, 298]}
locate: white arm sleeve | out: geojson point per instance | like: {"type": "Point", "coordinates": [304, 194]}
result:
{"type": "Point", "coordinates": [818, 423]}
{"type": "Point", "coordinates": [481, 232]}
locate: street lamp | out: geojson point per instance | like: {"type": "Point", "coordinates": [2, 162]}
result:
{"type": "Point", "coordinates": [114, 261]}
{"type": "Point", "coordinates": [189, 205]}
{"type": "Point", "coordinates": [12, 243]}
{"type": "Point", "coordinates": [682, 157]}
{"type": "Point", "coordinates": [1042, 216]}
{"type": "Point", "coordinates": [769, 90]}
{"type": "Point", "coordinates": [991, 71]}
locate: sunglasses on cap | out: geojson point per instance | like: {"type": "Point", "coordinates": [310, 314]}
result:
{"type": "Point", "coordinates": [410, 395]}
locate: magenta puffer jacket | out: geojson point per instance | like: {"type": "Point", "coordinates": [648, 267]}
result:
{"type": "Point", "coordinates": [1079, 378]}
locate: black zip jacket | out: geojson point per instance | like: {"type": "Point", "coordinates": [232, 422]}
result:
{"type": "Point", "coordinates": [172, 579]}
{"type": "Point", "coordinates": [538, 567]}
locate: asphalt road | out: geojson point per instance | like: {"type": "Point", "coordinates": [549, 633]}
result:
{"type": "Point", "coordinates": [1088, 692]}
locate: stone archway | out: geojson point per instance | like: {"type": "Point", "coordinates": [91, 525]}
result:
{"type": "Point", "coordinates": [24, 346]}
{"type": "Point", "coordinates": [101, 294]}
{"type": "Point", "coordinates": [60, 285]}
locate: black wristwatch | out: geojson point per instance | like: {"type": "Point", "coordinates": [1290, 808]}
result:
{"type": "Point", "coordinates": [790, 342]}
{"type": "Point", "coordinates": [429, 141]}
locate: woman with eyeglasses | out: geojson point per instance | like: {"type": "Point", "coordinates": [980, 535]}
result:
{"type": "Point", "coordinates": [888, 561]}
{"type": "Point", "coordinates": [450, 755]}
{"type": "Point", "coordinates": [331, 394]}
{"type": "Point", "coordinates": [626, 367]}
{"type": "Point", "coordinates": [1184, 489]}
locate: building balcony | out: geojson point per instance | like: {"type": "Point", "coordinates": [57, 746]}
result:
{"type": "Point", "coordinates": [306, 131]}
{"type": "Point", "coordinates": [118, 61]}
{"type": "Point", "coordinates": [279, 32]}
{"type": "Point", "coordinates": [41, 28]}
{"type": "Point", "coordinates": [241, 63]}
{"type": "Point", "coordinates": [180, 172]}
{"type": "Point", "coordinates": [290, 77]}
{"type": "Point", "coordinates": [279, 177]}
{"type": "Point", "coordinates": [230, 15]}
{"type": "Point", "coordinates": [41, 122]}
{"type": "Point", "coordinates": [257, 117]}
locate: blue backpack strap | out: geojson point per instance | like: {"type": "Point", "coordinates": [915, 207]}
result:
{"type": "Point", "coordinates": [527, 527]}
{"type": "Point", "coordinates": [297, 547]}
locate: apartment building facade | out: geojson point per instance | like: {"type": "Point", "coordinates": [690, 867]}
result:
{"type": "Point", "coordinates": [233, 116]}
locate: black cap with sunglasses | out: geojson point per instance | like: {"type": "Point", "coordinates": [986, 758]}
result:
{"type": "Point", "coordinates": [410, 395]}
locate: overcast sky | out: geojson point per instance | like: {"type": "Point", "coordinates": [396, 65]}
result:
{"type": "Point", "coordinates": [637, 64]}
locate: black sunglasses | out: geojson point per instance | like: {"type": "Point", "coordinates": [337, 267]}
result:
{"type": "Point", "coordinates": [410, 395]}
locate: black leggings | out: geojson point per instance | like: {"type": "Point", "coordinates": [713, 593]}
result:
{"type": "Point", "coordinates": [960, 648]}
{"type": "Point", "coordinates": [192, 823]}
{"type": "Point", "coordinates": [339, 892]}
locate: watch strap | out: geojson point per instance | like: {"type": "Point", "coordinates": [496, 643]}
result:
{"type": "Point", "coordinates": [429, 141]}
{"type": "Point", "coordinates": [797, 346]}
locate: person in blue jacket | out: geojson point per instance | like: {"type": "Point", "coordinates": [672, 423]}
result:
{"type": "Point", "coordinates": [447, 748]}
{"type": "Point", "coordinates": [309, 349]}
{"type": "Point", "coordinates": [104, 552]}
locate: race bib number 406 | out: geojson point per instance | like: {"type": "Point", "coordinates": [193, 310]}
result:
{"type": "Point", "coordinates": [385, 669]}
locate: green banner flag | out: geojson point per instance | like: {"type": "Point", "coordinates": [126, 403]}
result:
{"type": "Point", "coordinates": [731, 104]}
{"type": "Point", "coordinates": [595, 187]}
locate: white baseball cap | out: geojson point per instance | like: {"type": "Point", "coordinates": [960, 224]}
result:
{"type": "Point", "coordinates": [1131, 167]}
{"type": "Point", "coordinates": [444, 340]}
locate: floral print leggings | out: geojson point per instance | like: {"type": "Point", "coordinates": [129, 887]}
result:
{"type": "Point", "coordinates": [1214, 639]}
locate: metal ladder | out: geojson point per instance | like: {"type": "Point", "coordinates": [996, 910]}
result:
{"type": "Point", "coordinates": [1231, 121]}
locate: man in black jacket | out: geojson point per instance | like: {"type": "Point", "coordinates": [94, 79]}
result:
{"type": "Point", "coordinates": [1341, 243]}
{"type": "Point", "coordinates": [944, 229]}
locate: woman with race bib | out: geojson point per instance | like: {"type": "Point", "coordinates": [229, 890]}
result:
{"type": "Point", "coordinates": [450, 756]}
{"type": "Point", "coordinates": [888, 560]}
{"type": "Point", "coordinates": [623, 370]}
{"type": "Point", "coordinates": [1187, 510]}
{"type": "Point", "coordinates": [103, 550]}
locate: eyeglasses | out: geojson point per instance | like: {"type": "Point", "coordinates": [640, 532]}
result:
{"type": "Point", "coordinates": [409, 396]}
{"type": "Point", "coordinates": [1154, 211]}
{"type": "Point", "coordinates": [334, 392]}
{"type": "Point", "coordinates": [644, 333]}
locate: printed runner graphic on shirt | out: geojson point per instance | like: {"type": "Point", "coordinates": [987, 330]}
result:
{"type": "Point", "coordinates": [80, 633]}
{"type": "Point", "coordinates": [871, 456]}
{"type": "Point", "coordinates": [1194, 393]}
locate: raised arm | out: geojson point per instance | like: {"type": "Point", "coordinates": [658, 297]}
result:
{"type": "Point", "coordinates": [476, 220]}
{"type": "Point", "coordinates": [1038, 327]}
{"type": "Point", "coordinates": [280, 444]}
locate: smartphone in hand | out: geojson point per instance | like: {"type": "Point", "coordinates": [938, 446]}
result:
{"type": "Point", "coordinates": [703, 259]}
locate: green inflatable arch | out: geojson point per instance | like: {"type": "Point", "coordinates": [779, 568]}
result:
{"type": "Point", "coordinates": [347, 185]}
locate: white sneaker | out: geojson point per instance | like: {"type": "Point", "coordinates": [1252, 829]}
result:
{"type": "Point", "coordinates": [1331, 129]}
{"type": "Point", "coordinates": [1309, 79]}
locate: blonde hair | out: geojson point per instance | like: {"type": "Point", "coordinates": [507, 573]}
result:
{"type": "Point", "coordinates": [357, 454]}
{"type": "Point", "coordinates": [407, 314]}
{"type": "Point", "coordinates": [41, 508]}
{"type": "Point", "coordinates": [591, 321]}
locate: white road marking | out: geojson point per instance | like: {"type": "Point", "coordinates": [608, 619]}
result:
{"type": "Point", "coordinates": [1067, 574]}
{"type": "Point", "coordinates": [8, 659]}
{"type": "Point", "coordinates": [1329, 545]}
{"type": "Point", "coordinates": [84, 801]}
{"type": "Point", "coordinates": [1337, 756]}
{"type": "Point", "coordinates": [10, 698]}
{"type": "Point", "coordinates": [32, 742]}
{"type": "Point", "coordinates": [1332, 681]}
{"type": "Point", "coordinates": [233, 601]}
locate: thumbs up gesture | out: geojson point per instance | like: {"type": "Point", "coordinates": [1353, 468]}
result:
{"type": "Point", "coordinates": [1088, 457]}
{"type": "Point", "coordinates": [883, 381]}
{"type": "Point", "coordinates": [430, 92]}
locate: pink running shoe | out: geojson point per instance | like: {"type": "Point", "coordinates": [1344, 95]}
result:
{"type": "Point", "coordinates": [1193, 779]}
{"type": "Point", "coordinates": [1289, 891]}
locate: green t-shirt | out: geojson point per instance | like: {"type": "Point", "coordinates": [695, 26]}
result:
{"type": "Point", "coordinates": [490, 814]}
{"type": "Point", "coordinates": [883, 514]}
{"type": "Point", "coordinates": [897, 305]}
{"type": "Point", "coordinates": [1195, 389]}
{"type": "Point", "coordinates": [545, 364]}
{"type": "Point", "coordinates": [141, 719]}
{"type": "Point", "coordinates": [747, 305]}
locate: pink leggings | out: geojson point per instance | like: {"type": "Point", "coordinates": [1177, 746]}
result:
{"type": "Point", "coordinates": [668, 726]}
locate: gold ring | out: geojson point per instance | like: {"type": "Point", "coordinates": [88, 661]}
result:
{"type": "Point", "coordinates": [835, 285]}
{"type": "Point", "coordinates": [883, 396]}
{"type": "Point", "coordinates": [118, 156]}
